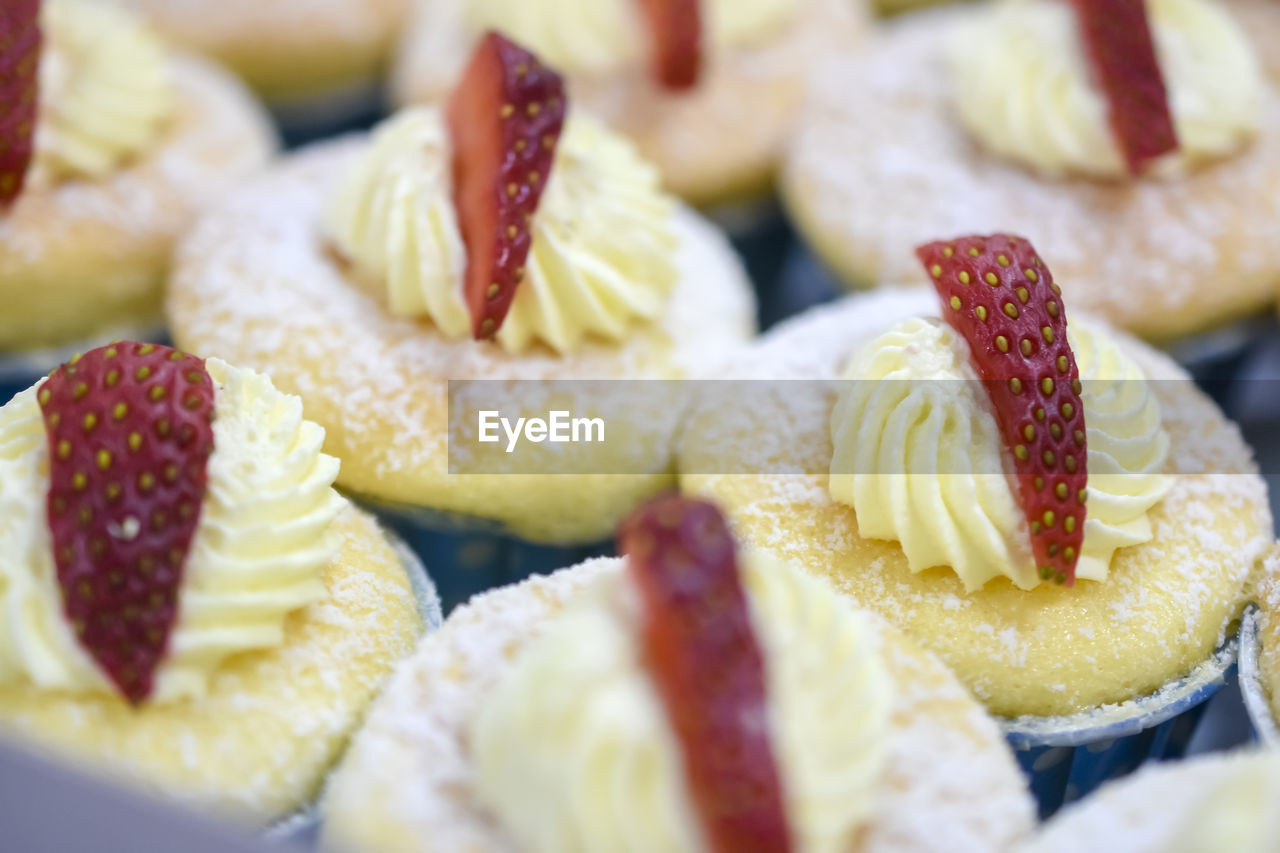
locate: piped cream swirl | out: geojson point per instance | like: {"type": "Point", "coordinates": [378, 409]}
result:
{"type": "Point", "coordinates": [259, 551]}
{"type": "Point", "coordinates": [1023, 86]}
{"type": "Point", "coordinates": [919, 456]}
{"type": "Point", "coordinates": [603, 236]}
{"type": "Point", "coordinates": [574, 750]}
{"type": "Point", "coordinates": [602, 36]}
{"type": "Point", "coordinates": [105, 91]}
{"type": "Point", "coordinates": [1237, 813]}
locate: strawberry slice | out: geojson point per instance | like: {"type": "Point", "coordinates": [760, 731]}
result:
{"type": "Point", "coordinates": [675, 27]}
{"type": "Point", "coordinates": [1001, 297]}
{"type": "Point", "coordinates": [702, 654]}
{"type": "Point", "coordinates": [130, 433]}
{"type": "Point", "coordinates": [20, 42]}
{"type": "Point", "coordinates": [504, 122]}
{"type": "Point", "coordinates": [1117, 39]}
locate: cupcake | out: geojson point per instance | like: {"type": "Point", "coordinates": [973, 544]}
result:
{"type": "Point", "coordinates": [499, 242]}
{"type": "Point", "coordinates": [314, 61]}
{"type": "Point", "coordinates": [1218, 802]}
{"type": "Point", "coordinates": [1056, 512]}
{"type": "Point", "coordinates": [109, 144]}
{"type": "Point", "coordinates": [1137, 142]}
{"type": "Point", "coordinates": [706, 89]}
{"type": "Point", "coordinates": [1260, 653]}
{"type": "Point", "coordinates": [190, 607]}
{"type": "Point", "coordinates": [682, 698]}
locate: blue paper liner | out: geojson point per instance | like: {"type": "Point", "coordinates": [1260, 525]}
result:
{"type": "Point", "coordinates": [355, 106]}
{"type": "Point", "coordinates": [766, 244]}
{"type": "Point", "coordinates": [301, 829]}
{"type": "Point", "coordinates": [469, 555]}
{"type": "Point", "coordinates": [1065, 758]}
{"type": "Point", "coordinates": [19, 371]}
{"type": "Point", "coordinates": [1252, 690]}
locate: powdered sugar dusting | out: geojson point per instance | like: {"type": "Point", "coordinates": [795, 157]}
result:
{"type": "Point", "coordinates": [881, 164]}
{"type": "Point", "coordinates": [1166, 606]}
{"type": "Point", "coordinates": [406, 782]}
{"type": "Point", "coordinates": [216, 135]}
{"type": "Point", "coordinates": [1166, 804]}
{"type": "Point", "coordinates": [86, 254]}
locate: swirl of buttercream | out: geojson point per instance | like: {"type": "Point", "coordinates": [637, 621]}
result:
{"type": "Point", "coordinates": [574, 750]}
{"type": "Point", "coordinates": [603, 235]}
{"type": "Point", "coordinates": [919, 456]}
{"type": "Point", "coordinates": [105, 91]}
{"type": "Point", "coordinates": [1234, 812]}
{"type": "Point", "coordinates": [259, 551]}
{"type": "Point", "coordinates": [1023, 87]}
{"type": "Point", "coordinates": [602, 36]}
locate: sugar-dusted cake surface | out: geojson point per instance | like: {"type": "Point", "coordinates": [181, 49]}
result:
{"type": "Point", "coordinates": [1222, 801]}
{"type": "Point", "coordinates": [877, 168]}
{"type": "Point", "coordinates": [406, 784]}
{"type": "Point", "coordinates": [89, 256]}
{"type": "Point", "coordinates": [1050, 651]}
{"type": "Point", "coordinates": [256, 283]}
{"type": "Point", "coordinates": [258, 746]}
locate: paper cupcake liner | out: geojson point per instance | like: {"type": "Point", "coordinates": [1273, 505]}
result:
{"type": "Point", "coordinates": [20, 370]}
{"type": "Point", "coordinates": [424, 587]}
{"type": "Point", "coordinates": [1065, 758]}
{"type": "Point", "coordinates": [1256, 703]}
{"type": "Point", "coordinates": [301, 828]}
{"type": "Point", "coordinates": [469, 555]}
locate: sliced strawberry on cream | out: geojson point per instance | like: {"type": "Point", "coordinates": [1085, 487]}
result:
{"type": "Point", "coordinates": [682, 701]}
{"type": "Point", "coordinates": [703, 656]}
{"type": "Point", "coordinates": [20, 42]}
{"type": "Point", "coordinates": [504, 120]}
{"type": "Point", "coordinates": [159, 514]}
{"type": "Point", "coordinates": [1000, 296]}
{"type": "Point", "coordinates": [130, 434]}
{"type": "Point", "coordinates": [675, 27]}
{"type": "Point", "coordinates": [1122, 55]}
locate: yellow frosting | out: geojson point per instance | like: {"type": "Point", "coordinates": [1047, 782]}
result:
{"type": "Point", "coordinates": [1023, 86]}
{"type": "Point", "coordinates": [573, 751]}
{"type": "Point", "coordinates": [1238, 815]}
{"type": "Point", "coordinates": [600, 36]}
{"type": "Point", "coordinates": [920, 458]}
{"type": "Point", "coordinates": [603, 236]}
{"type": "Point", "coordinates": [104, 91]}
{"type": "Point", "coordinates": [259, 551]}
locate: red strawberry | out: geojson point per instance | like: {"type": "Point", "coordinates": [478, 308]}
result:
{"type": "Point", "coordinates": [130, 435]}
{"type": "Point", "coordinates": [1000, 296]}
{"type": "Point", "coordinates": [702, 654]}
{"type": "Point", "coordinates": [19, 81]}
{"type": "Point", "coordinates": [675, 27]}
{"type": "Point", "coordinates": [1117, 38]}
{"type": "Point", "coordinates": [504, 119]}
